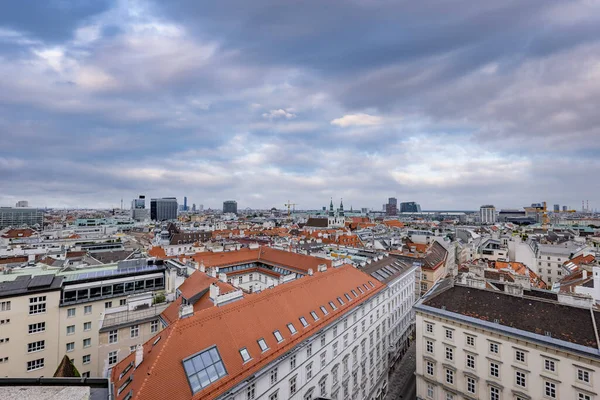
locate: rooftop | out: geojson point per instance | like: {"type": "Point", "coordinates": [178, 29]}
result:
{"type": "Point", "coordinates": [387, 269]}
{"type": "Point", "coordinates": [127, 317]}
{"type": "Point", "coordinates": [26, 284]}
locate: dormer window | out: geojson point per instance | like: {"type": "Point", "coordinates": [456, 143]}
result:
{"type": "Point", "coordinates": [303, 322]}
{"type": "Point", "coordinates": [245, 354]}
{"type": "Point", "coordinates": [278, 336]}
{"type": "Point", "coordinates": [263, 344]}
{"type": "Point", "coordinates": [292, 328]}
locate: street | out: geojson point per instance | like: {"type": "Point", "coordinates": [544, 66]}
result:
{"type": "Point", "coordinates": [402, 382]}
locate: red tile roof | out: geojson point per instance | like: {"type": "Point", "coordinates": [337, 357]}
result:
{"type": "Point", "coordinates": [239, 325]}
{"type": "Point", "coordinates": [18, 233]}
{"type": "Point", "coordinates": [11, 260]}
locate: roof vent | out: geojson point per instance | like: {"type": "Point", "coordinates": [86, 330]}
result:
{"type": "Point", "coordinates": [496, 321]}
{"type": "Point", "coordinates": [443, 307]}
{"type": "Point", "coordinates": [548, 333]}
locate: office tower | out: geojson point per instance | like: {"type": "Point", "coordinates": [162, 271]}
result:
{"type": "Point", "coordinates": [163, 209]}
{"type": "Point", "coordinates": [391, 207]}
{"type": "Point", "coordinates": [194, 207]}
{"type": "Point", "coordinates": [18, 216]}
{"type": "Point", "coordinates": [185, 203]}
{"type": "Point", "coordinates": [22, 203]}
{"type": "Point", "coordinates": [487, 214]}
{"type": "Point", "coordinates": [139, 212]}
{"type": "Point", "coordinates": [564, 208]}
{"type": "Point", "coordinates": [410, 207]}
{"type": "Point", "coordinates": [230, 206]}
{"type": "Point", "coordinates": [557, 208]}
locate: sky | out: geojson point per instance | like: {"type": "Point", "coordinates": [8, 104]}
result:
{"type": "Point", "coordinates": [450, 103]}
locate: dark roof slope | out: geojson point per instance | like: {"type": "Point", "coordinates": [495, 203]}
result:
{"type": "Point", "coordinates": [317, 222]}
{"type": "Point", "coordinates": [26, 285]}
{"type": "Point", "coordinates": [571, 324]}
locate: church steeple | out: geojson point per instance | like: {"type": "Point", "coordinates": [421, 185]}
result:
{"type": "Point", "coordinates": [341, 208]}
{"type": "Point", "coordinates": [331, 212]}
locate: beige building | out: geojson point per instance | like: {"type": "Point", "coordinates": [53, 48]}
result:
{"type": "Point", "coordinates": [482, 344]}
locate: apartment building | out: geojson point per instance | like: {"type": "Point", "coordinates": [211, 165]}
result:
{"type": "Point", "coordinates": [322, 335]}
{"type": "Point", "coordinates": [550, 258]}
{"type": "Point", "coordinates": [482, 344]}
{"type": "Point", "coordinates": [47, 316]}
{"type": "Point", "coordinates": [432, 265]}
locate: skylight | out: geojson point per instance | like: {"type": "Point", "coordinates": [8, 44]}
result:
{"type": "Point", "coordinates": [366, 287]}
{"type": "Point", "coordinates": [332, 305]}
{"type": "Point", "coordinates": [324, 310]}
{"type": "Point", "coordinates": [348, 297]}
{"type": "Point", "coordinates": [205, 368]}
{"type": "Point", "coordinates": [303, 321]}
{"type": "Point", "coordinates": [278, 336]}
{"type": "Point", "coordinates": [263, 344]}
{"type": "Point", "coordinates": [354, 293]}
{"type": "Point", "coordinates": [292, 328]}
{"type": "Point", "coordinates": [361, 290]}
{"type": "Point", "coordinates": [371, 283]}
{"type": "Point", "coordinates": [245, 354]}
{"type": "Point", "coordinates": [314, 315]}
{"type": "Point", "coordinates": [339, 299]}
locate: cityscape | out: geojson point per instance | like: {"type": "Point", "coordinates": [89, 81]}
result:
{"type": "Point", "coordinates": [270, 200]}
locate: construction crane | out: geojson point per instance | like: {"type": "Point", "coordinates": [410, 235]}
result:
{"type": "Point", "coordinates": [545, 218]}
{"type": "Point", "coordinates": [289, 206]}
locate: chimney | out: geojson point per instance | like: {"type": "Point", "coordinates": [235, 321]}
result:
{"type": "Point", "coordinates": [222, 277]}
{"type": "Point", "coordinates": [202, 267]}
{"type": "Point", "coordinates": [186, 310]}
{"type": "Point", "coordinates": [214, 293]}
{"type": "Point", "coordinates": [139, 355]}
{"type": "Point", "coordinates": [584, 274]}
{"type": "Point", "coordinates": [322, 267]}
{"type": "Point", "coordinates": [310, 271]}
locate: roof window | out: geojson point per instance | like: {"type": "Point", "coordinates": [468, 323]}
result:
{"type": "Point", "coordinates": [314, 315]}
{"type": "Point", "coordinates": [324, 310]}
{"type": "Point", "coordinates": [292, 328]}
{"type": "Point", "coordinates": [348, 297]}
{"type": "Point", "coordinates": [366, 287]}
{"type": "Point", "coordinates": [360, 290]}
{"type": "Point", "coordinates": [278, 336]}
{"type": "Point", "coordinates": [372, 284]}
{"type": "Point", "coordinates": [204, 368]}
{"type": "Point", "coordinates": [333, 307]}
{"type": "Point", "coordinates": [245, 354]}
{"type": "Point", "coordinates": [339, 299]}
{"type": "Point", "coordinates": [263, 344]}
{"type": "Point", "coordinates": [354, 293]}
{"type": "Point", "coordinates": [303, 322]}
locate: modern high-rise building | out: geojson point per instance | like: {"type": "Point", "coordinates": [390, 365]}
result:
{"type": "Point", "coordinates": [17, 216]}
{"type": "Point", "coordinates": [487, 214]}
{"type": "Point", "coordinates": [565, 208]}
{"type": "Point", "coordinates": [185, 208]}
{"type": "Point", "coordinates": [139, 212]}
{"type": "Point", "coordinates": [557, 208]}
{"type": "Point", "coordinates": [410, 207]}
{"type": "Point", "coordinates": [163, 209]}
{"type": "Point", "coordinates": [391, 207]}
{"type": "Point", "coordinates": [22, 203]}
{"type": "Point", "coordinates": [194, 207]}
{"type": "Point", "coordinates": [230, 206]}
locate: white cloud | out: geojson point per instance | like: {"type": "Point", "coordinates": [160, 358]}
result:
{"type": "Point", "coordinates": [280, 113]}
{"type": "Point", "coordinates": [357, 120]}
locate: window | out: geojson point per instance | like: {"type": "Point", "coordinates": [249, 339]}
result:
{"type": "Point", "coordinates": [494, 370]}
{"type": "Point", "coordinates": [520, 379]}
{"type": "Point", "coordinates": [87, 342]}
{"type": "Point", "coordinates": [273, 376]}
{"type": "Point", "coordinates": [113, 336]}
{"type": "Point", "coordinates": [154, 326]}
{"type": "Point", "coordinates": [4, 305]}
{"type": "Point", "coordinates": [70, 329]}
{"type": "Point", "coordinates": [240, 280]}
{"type": "Point", "coordinates": [35, 364]}
{"type": "Point", "coordinates": [449, 354]}
{"type": "Point", "coordinates": [70, 346]}
{"type": "Point", "coordinates": [309, 371]}
{"type": "Point", "coordinates": [323, 359]}
{"type": "Point", "coordinates": [293, 384]}
{"type": "Point", "coordinates": [423, 286]}
{"type": "Point", "coordinates": [278, 336]}
{"type": "Point", "coordinates": [123, 302]}
{"type": "Point", "coordinates": [308, 350]}
{"type": "Point", "coordinates": [470, 361]}
{"type": "Point", "coordinates": [450, 377]}
{"type": "Point", "coordinates": [245, 354]}
{"type": "Point", "coordinates": [549, 365]}
{"type": "Point", "coordinates": [583, 375]}
{"type": "Point", "coordinates": [323, 386]}
{"type": "Point", "coordinates": [430, 368]}
{"type": "Point", "coordinates": [250, 392]}
{"type": "Point", "coordinates": [108, 304]}
{"type": "Point", "coordinates": [449, 396]}
{"type": "Point", "coordinates": [86, 359]}
{"type": "Point", "coordinates": [292, 328]}
{"type": "Point", "coordinates": [132, 349]}
{"type": "Point", "coordinates": [355, 332]}
{"type": "Point", "coordinates": [293, 362]}
{"type": "Point", "coordinates": [471, 385]}
{"type": "Point", "coordinates": [37, 305]}
{"type": "Point", "coordinates": [36, 328]}
{"type": "Point", "coordinates": [335, 349]}
{"type": "Point", "coordinates": [346, 340]}
{"type": "Point", "coordinates": [36, 346]}
{"type": "Point", "coordinates": [324, 310]}
{"type": "Point", "coordinates": [274, 396]}
{"type": "Point", "coordinates": [449, 334]}
{"type": "Point", "coordinates": [204, 368]}
{"type": "Point", "coordinates": [339, 299]}
{"type": "Point", "coordinates": [70, 313]}
{"type": "Point", "coordinates": [87, 326]}
{"type": "Point", "coordinates": [550, 390]}
{"type": "Point", "coordinates": [263, 345]}
{"type": "Point", "coordinates": [429, 345]}
{"type": "Point", "coordinates": [494, 393]}
{"type": "Point", "coordinates": [303, 322]}
{"type": "Point", "coordinates": [87, 310]}
{"type": "Point", "coordinates": [494, 348]}
{"type": "Point", "coordinates": [134, 331]}
{"type": "Point", "coordinates": [323, 340]}
{"type": "Point", "coordinates": [335, 331]}
{"type": "Point", "coordinates": [314, 315]}
{"type": "Point", "coordinates": [583, 396]}
{"type": "Point", "coordinates": [429, 391]}
{"type": "Point", "coordinates": [348, 297]}
{"type": "Point", "coordinates": [520, 356]}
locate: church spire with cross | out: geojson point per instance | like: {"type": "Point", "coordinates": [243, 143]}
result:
{"type": "Point", "coordinates": [341, 211]}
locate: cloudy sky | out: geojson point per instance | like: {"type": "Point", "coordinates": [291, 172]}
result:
{"type": "Point", "coordinates": [450, 103]}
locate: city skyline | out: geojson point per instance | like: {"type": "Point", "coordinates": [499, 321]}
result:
{"type": "Point", "coordinates": [104, 100]}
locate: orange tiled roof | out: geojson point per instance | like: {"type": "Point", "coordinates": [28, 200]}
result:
{"type": "Point", "coordinates": [18, 233]}
{"type": "Point", "coordinates": [521, 269]}
{"type": "Point", "coordinates": [239, 325]}
{"type": "Point", "coordinates": [393, 223]}
{"type": "Point", "coordinates": [10, 260]}
{"type": "Point", "coordinates": [157, 252]}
